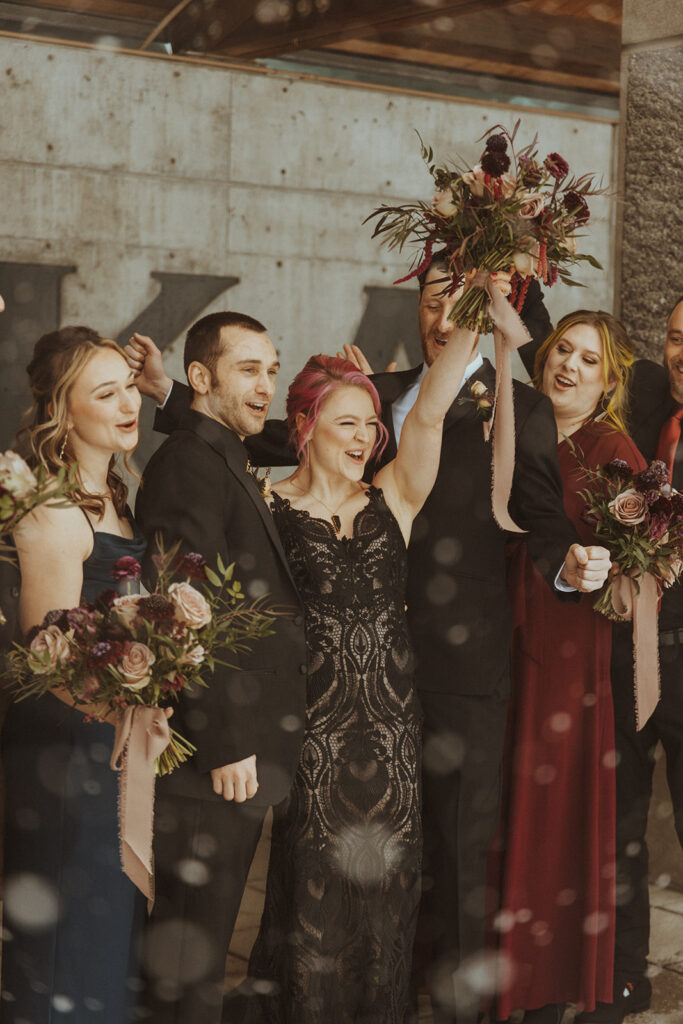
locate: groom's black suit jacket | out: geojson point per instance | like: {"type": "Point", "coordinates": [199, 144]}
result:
{"type": "Point", "coordinates": [196, 489]}
{"type": "Point", "coordinates": [457, 600]}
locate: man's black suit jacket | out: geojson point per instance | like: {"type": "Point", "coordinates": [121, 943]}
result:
{"type": "Point", "coordinates": [457, 599]}
{"type": "Point", "coordinates": [196, 489]}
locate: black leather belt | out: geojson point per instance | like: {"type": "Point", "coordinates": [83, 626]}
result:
{"type": "Point", "coordinates": [669, 637]}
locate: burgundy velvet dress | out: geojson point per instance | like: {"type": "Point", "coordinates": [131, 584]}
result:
{"type": "Point", "coordinates": [556, 862]}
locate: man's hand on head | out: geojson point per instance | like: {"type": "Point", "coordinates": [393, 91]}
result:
{"type": "Point", "coordinates": [354, 355]}
{"type": "Point", "coordinates": [586, 568]}
{"type": "Point", "coordinates": [145, 358]}
{"type": "Point", "coordinates": [236, 781]}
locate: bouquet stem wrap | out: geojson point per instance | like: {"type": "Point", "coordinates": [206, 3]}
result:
{"type": "Point", "coordinates": [509, 334]}
{"type": "Point", "coordinates": [142, 734]}
{"type": "Point", "coordinates": [641, 604]}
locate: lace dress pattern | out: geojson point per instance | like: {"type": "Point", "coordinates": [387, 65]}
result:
{"type": "Point", "coordinates": [343, 885]}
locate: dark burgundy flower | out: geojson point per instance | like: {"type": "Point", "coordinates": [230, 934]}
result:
{"type": "Point", "coordinates": [126, 568]}
{"type": "Point", "coordinates": [557, 166]}
{"type": "Point", "coordinates": [576, 205]}
{"type": "Point", "coordinates": [659, 518]}
{"type": "Point", "coordinates": [495, 163]}
{"type": "Point", "coordinates": [497, 143]}
{"type": "Point", "coordinates": [677, 506]}
{"type": "Point", "coordinates": [57, 617]}
{"type": "Point", "coordinates": [100, 655]}
{"type": "Point", "coordinates": [647, 480]}
{"type": "Point", "coordinates": [82, 621]}
{"type": "Point", "coordinates": [553, 274]}
{"type": "Point", "coordinates": [652, 497]}
{"type": "Point", "coordinates": [530, 173]}
{"type": "Point", "coordinates": [617, 469]}
{"type": "Point", "coordinates": [191, 565]}
{"type": "Point", "coordinates": [156, 608]}
{"type": "Point", "coordinates": [105, 600]}
{"type": "Point", "coordinates": [661, 470]}
{"type": "Point", "coordinates": [31, 635]}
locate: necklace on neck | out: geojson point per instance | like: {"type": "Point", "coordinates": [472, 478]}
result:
{"type": "Point", "coordinates": [334, 515]}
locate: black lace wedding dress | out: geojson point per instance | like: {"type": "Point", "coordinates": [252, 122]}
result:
{"type": "Point", "coordinates": [336, 938]}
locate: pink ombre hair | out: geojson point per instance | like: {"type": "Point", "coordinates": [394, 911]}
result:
{"type": "Point", "coordinates": [307, 393]}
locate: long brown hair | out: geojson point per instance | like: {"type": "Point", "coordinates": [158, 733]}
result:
{"type": "Point", "coordinates": [58, 358]}
{"type": "Point", "coordinates": [617, 359]}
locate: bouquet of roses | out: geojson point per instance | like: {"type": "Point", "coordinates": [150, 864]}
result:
{"type": "Point", "coordinates": [512, 212]}
{"type": "Point", "coordinates": [130, 649]}
{"type": "Point", "coordinates": [639, 518]}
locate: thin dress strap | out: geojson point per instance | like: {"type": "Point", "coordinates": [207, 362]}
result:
{"type": "Point", "coordinates": [87, 519]}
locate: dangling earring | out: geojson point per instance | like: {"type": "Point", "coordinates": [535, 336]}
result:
{"type": "Point", "coordinates": [63, 446]}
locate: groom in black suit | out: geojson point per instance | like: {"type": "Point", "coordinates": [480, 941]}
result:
{"type": "Point", "coordinates": [247, 724]}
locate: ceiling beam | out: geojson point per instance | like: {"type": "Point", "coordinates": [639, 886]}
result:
{"type": "Point", "coordinates": [301, 32]}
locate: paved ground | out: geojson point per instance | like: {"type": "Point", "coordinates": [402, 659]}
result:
{"type": "Point", "coordinates": [666, 953]}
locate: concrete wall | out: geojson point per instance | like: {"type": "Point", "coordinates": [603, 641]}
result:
{"type": "Point", "coordinates": [142, 191]}
{"type": "Point", "coordinates": [651, 171]}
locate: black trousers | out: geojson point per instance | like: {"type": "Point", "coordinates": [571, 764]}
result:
{"type": "Point", "coordinates": [463, 744]}
{"type": "Point", "coordinates": [634, 788]}
{"type": "Point", "coordinates": [203, 851]}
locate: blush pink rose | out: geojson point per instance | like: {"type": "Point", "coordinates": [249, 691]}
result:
{"type": "Point", "coordinates": [53, 642]}
{"type": "Point", "coordinates": [191, 607]}
{"type": "Point", "coordinates": [629, 507]}
{"type": "Point", "coordinates": [126, 609]}
{"type": "Point", "coordinates": [532, 207]}
{"type": "Point", "coordinates": [15, 476]}
{"type": "Point", "coordinates": [136, 666]}
{"type": "Point", "coordinates": [443, 203]}
{"type": "Point", "coordinates": [475, 180]}
{"type": "Point", "coordinates": [193, 656]}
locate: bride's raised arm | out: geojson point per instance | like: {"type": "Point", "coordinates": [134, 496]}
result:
{"type": "Point", "coordinates": [408, 479]}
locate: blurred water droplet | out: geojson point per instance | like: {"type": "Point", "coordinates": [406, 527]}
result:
{"type": "Point", "coordinates": [596, 922]}
{"type": "Point", "coordinates": [633, 849]}
{"type": "Point", "coordinates": [504, 921]}
{"type": "Point", "coordinates": [63, 1004]}
{"type": "Point", "coordinates": [204, 845]}
{"type": "Point", "coordinates": [524, 915]}
{"type": "Point", "coordinates": [193, 872]}
{"type": "Point", "coordinates": [31, 902]}
{"type": "Point", "coordinates": [177, 953]}
{"type": "Point", "coordinates": [566, 897]}
{"type": "Point", "coordinates": [561, 721]}
{"type": "Point", "coordinates": [290, 723]}
{"type": "Point", "coordinates": [545, 774]}
{"type": "Point", "coordinates": [663, 881]}
{"type": "Point", "coordinates": [443, 753]}
{"type": "Point", "coordinates": [610, 759]}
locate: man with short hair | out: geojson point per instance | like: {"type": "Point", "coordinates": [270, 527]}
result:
{"type": "Point", "coordinates": [656, 403]}
{"type": "Point", "coordinates": [247, 723]}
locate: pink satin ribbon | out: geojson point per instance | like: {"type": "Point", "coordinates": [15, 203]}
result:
{"type": "Point", "coordinates": [509, 334]}
{"type": "Point", "coordinates": [641, 605]}
{"type": "Point", "coordinates": [142, 734]}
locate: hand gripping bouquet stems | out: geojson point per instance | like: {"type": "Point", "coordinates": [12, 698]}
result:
{"type": "Point", "coordinates": [513, 212]}
{"type": "Point", "coordinates": [638, 516]}
{"type": "Point", "coordinates": [128, 657]}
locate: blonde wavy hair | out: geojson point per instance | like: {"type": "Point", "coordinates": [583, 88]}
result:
{"type": "Point", "coordinates": [617, 361]}
{"type": "Point", "coordinates": [58, 359]}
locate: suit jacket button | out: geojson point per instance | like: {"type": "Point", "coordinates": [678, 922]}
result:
{"type": "Point", "coordinates": [303, 668]}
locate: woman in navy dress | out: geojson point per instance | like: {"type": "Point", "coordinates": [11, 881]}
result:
{"type": "Point", "coordinates": [70, 914]}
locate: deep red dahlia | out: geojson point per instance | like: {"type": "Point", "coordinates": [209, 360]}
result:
{"type": "Point", "coordinates": [497, 143]}
{"type": "Point", "coordinates": [126, 568]}
{"type": "Point", "coordinates": [557, 166]}
{"type": "Point", "coordinates": [157, 608]}
{"type": "Point", "coordinates": [495, 163]}
{"type": "Point", "coordinates": [576, 205]}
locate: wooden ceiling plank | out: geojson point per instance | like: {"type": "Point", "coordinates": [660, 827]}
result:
{"type": "Point", "coordinates": [496, 67]}
{"type": "Point", "coordinates": [257, 40]}
{"type": "Point", "coordinates": [147, 12]}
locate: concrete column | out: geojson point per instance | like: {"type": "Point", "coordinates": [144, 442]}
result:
{"type": "Point", "coordinates": [651, 178]}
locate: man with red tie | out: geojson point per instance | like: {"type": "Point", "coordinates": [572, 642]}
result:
{"type": "Point", "coordinates": [656, 418]}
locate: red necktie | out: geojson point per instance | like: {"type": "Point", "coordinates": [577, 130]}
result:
{"type": "Point", "coordinates": [669, 437]}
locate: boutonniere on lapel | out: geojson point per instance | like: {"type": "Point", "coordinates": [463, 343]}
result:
{"type": "Point", "coordinates": [481, 398]}
{"type": "Point", "coordinates": [262, 482]}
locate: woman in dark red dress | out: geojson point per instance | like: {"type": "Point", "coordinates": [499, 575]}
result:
{"type": "Point", "coordinates": [556, 925]}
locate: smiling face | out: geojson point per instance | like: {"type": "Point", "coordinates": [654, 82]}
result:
{"type": "Point", "coordinates": [344, 434]}
{"type": "Point", "coordinates": [673, 352]}
{"type": "Point", "coordinates": [244, 381]}
{"type": "Point", "coordinates": [103, 405]}
{"type": "Point", "coordinates": [433, 309]}
{"type": "Point", "coordinates": [573, 375]}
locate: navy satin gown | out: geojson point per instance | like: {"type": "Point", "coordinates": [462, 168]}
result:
{"type": "Point", "coordinates": [72, 919]}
